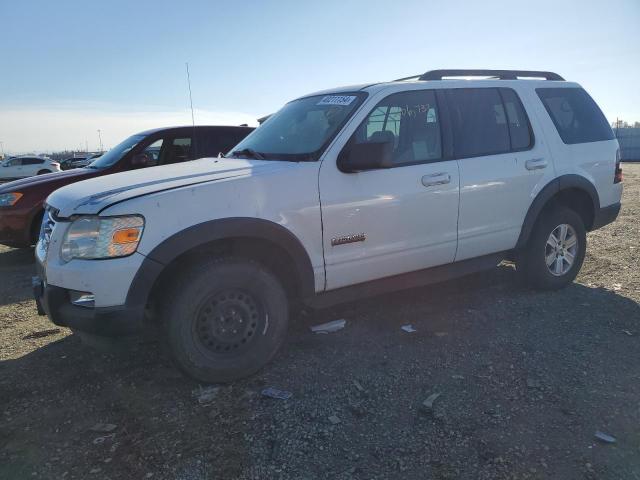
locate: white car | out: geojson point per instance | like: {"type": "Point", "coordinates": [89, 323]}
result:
{"type": "Point", "coordinates": [27, 166]}
{"type": "Point", "coordinates": [341, 194]}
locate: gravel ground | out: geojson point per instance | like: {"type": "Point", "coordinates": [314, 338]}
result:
{"type": "Point", "coordinates": [525, 380]}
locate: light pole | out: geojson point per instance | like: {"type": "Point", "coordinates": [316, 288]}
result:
{"type": "Point", "coordinates": [2, 148]}
{"type": "Point", "coordinates": [100, 138]}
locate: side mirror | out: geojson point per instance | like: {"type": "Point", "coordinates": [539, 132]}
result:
{"type": "Point", "coordinates": [141, 160]}
{"type": "Point", "coordinates": [366, 156]}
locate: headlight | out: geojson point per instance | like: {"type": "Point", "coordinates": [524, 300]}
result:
{"type": "Point", "coordinates": [102, 237]}
{"type": "Point", "coordinates": [9, 199]}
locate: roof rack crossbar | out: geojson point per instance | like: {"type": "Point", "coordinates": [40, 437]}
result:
{"type": "Point", "coordinates": [500, 74]}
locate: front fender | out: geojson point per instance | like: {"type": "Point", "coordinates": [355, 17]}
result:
{"type": "Point", "coordinates": [226, 228]}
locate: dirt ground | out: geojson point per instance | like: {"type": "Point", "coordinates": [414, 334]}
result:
{"type": "Point", "coordinates": [525, 380]}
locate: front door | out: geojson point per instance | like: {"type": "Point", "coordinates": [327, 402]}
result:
{"type": "Point", "coordinates": [379, 223]}
{"type": "Point", "coordinates": [13, 168]}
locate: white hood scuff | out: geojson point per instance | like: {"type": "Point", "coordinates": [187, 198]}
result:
{"type": "Point", "coordinates": [91, 196]}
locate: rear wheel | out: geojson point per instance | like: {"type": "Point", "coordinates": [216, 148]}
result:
{"type": "Point", "coordinates": [556, 250]}
{"type": "Point", "coordinates": [226, 319]}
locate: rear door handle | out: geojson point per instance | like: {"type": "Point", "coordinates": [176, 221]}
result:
{"type": "Point", "coordinates": [535, 163]}
{"type": "Point", "coordinates": [441, 178]}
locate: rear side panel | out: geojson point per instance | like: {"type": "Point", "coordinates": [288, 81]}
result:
{"type": "Point", "coordinates": [581, 141]}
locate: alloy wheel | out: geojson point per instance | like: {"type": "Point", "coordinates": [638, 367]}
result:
{"type": "Point", "coordinates": [561, 249]}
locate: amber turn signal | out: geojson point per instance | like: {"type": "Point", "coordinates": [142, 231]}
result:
{"type": "Point", "coordinates": [126, 235]}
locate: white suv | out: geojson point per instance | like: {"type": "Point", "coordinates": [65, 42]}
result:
{"type": "Point", "coordinates": [341, 194]}
{"type": "Point", "coordinates": [26, 166]}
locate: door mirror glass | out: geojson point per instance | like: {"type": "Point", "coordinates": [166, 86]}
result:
{"type": "Point", "coordinates": [366, 156]}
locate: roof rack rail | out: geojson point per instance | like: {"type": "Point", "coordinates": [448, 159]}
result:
{"type": "Point", "coordinates": [412, 77]}
{"type": "Point", "coordinates": [499, 74]}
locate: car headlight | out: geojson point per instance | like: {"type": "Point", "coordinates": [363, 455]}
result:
{"type": "Point", "coordinates": [94, 237]}
{"type": "Point", "coordinates": [9, 199]}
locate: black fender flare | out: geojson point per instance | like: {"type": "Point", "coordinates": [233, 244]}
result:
{"type": "Point", "coordinates": [555, 186]}
{"type": "Point", "coordinates": [226, 228]}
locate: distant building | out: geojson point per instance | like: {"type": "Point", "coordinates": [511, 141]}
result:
{"type": "Point", "coordinates": [629, 140]}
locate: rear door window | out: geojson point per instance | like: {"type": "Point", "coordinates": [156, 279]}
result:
{"type": "Point", "coordinates": [519, 128]}
{"type": "Point", "coordinates": [479, 122]}
{"type": "Point", "coordinates": [575, 115]}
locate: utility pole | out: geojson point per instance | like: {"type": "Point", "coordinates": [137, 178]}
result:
{"type": "Point", "coordinates": [100, 138]}
{"type": "Point", "coordinates": [193, 120]}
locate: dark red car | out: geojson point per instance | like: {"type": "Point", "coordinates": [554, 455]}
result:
{"type": "Point", "coordinates": [21, 201]}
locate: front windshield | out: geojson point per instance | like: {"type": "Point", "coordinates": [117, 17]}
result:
{"type": "Point", "coordinates": [117, 152]}
{"type": "Point", "coordinates": [301, 129]}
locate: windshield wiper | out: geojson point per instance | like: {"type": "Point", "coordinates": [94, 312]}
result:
{"type": "Point", "coordinates": [249, 152]}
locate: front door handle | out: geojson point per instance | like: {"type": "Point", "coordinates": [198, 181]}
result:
{"type": "Point", "coordinates": [436, 179]}
{"type": "Point", "coordinates": [535, 163]}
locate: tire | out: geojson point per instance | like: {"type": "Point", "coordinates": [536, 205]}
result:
{"type": "Point", "coordinates": [225, 319]}
{"type": "Point", "coordinates": [42, 172]}
{"type": "Point", "coordinates": [532, 262]}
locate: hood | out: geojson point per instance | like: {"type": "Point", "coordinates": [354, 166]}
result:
{"type": "Point", "coordinates": [65, 177]}
{"type": "Point", "coordinates": [93, 195]}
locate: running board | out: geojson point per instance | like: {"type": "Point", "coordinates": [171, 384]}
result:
{"type": "Point", "coordinates": [405, 281]}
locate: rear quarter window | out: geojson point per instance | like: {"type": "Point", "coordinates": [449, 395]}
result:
{"type": "Point", "coordinates": [218, 141]}
{"type": "Point", "coordinates": [575, 115]}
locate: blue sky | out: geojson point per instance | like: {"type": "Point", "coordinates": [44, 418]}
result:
{"type": "Point", "coordinates": [71, 67]}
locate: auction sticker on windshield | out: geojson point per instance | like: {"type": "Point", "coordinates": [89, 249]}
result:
{"type": "Point", "coordinates": [337, 100]}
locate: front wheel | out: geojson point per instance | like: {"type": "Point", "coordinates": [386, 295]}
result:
{"type": "Point", "coordinates": [225, 319]}
{"type": "Point", "coordinates": [556, 250]}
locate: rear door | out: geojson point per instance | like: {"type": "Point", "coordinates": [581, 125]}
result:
{"type": "Point", "coordinates": [502, 167]}
{"type": "Point", "coordinates": [31, 166]}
